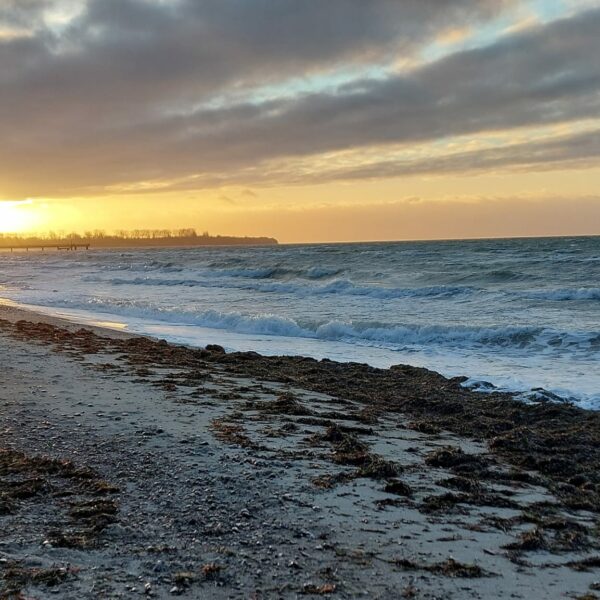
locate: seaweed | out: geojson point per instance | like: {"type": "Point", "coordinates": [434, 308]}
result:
{"type": "Point", "coordinates": [447, 568]}
{"type": "Point", "coordinates": [285, 404]}
{"type": "Point", "coordinates": [15, 577]}
{"type": "Point", "coordinates": [586, 564]}
{"type": "Point", "coordinates": [528, 541]}
{"type": "Point", "coordinates": [318, 590]}
{"type": "Point", "coordinates": [399, 488]}
{"type": "Point", "coordinates": [559, 441]}
{"type": "Point", "coordinates": [423, 426]}
{"type": "Point", "coordinates": [433, 503]}
{"type": "Point", "coordinates": [455, 459]}
{"type": "Point", "coordinates": [234, 434]}
{"type": "Point", "coordinates": [42, 476]}
{"type": "Point", "coordinates": [376, 467]}
{"type": "Point", "coordinates": [464, 484]}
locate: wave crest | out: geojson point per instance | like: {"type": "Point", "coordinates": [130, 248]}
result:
{"type": "Point", "coordinates": [337, 286]}
{"type": "Point", "coordinates": [562, 295]}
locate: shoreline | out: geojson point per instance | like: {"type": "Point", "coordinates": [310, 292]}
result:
{"type": "Point", "coordinates": [189, 471]}
{"type": "Point", "coordinates": [13, 311]}
{"type": "Point", "coordinates": [270, 345]}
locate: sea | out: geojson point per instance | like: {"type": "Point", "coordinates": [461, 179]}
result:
{"type": "Point", "coordinates": [520, 315]}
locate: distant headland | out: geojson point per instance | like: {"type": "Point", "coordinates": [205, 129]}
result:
{"type": "Point", "coordinates": [137, 238]}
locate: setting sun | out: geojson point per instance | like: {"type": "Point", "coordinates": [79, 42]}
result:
{"type": "Point", "coordinates": [16, 217]}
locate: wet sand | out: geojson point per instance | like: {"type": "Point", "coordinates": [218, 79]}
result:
{"type": "Point", "coordinates": [131, 467]}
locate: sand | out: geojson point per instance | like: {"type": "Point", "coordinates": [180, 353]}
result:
{"type": "Point", "coordinates": [129, 467]}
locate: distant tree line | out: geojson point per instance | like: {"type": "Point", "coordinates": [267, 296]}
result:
{"type": "Point", "coordinates": [135, 237]}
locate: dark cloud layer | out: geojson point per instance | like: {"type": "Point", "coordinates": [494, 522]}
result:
{"type": "Point", "coordinates": [136, 90]}
{"type": "Point", "coordinates": [576, 150]}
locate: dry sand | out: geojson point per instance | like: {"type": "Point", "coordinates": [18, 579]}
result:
{"type": "Point", "coordinates": [124, 477]}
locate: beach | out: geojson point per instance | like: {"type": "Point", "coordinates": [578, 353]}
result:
{"type": "Point", "coordinates": [131, 466]}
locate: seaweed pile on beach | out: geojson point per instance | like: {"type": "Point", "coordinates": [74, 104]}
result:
{"type": "Point", "coordinates": [225, 459]}
{"type": "Point", "coordinates": [558, 440]}
{"type": "Point", "coordinates": [80, 505]}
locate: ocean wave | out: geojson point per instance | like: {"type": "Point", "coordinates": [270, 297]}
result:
{"type": "Point", "coordinates": [495, 276]}
{"type": "Point", "coordinates": [347, 287]}
{"type": "Point", "coordinates": [402, 336]}
{"type": "Point", "coordinates": [225, 270]}
{"type": "Point", "coordinates": [561, 295]}
{"type": "Point", "coordinates": [260, 273]}
{"type": "Point", "coordinates": [321, 273]}
{"type": "Point", "coordinates": [336, 286]}
{"type": "Point", "coordinates": [273, 272]}
{"type": "Point", "coordinates": [141, 267]}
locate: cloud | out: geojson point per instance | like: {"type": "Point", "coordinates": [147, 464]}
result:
{"type": "Point", "coordinates": [135, 91]}
{"type": "Point", "coordinates": [576, 150]}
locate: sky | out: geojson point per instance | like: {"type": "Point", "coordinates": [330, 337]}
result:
{"type": "Point", "coordinates": [306, 120]}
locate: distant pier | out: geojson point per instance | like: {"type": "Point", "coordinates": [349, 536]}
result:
{"type": "Point", "coordinates": [43, 247]}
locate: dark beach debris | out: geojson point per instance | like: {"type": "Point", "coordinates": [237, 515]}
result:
{"type": "Point", "coordinates": [423, 426]}
{"type": "Point", "coordinates": [233, 433]}
{"type": "Point", "coordinates": [551, 533]}
{"type": "Point", "coordinates": [15, 463]}
{"type": "Point", "coordinates": [529, 541]}
{"type": "Point", "coordinates": [330, 480]}
{"type": "Point", "coordinates": [369, 415]}
{"type": "Point", "coordinates": [448, 568]}
{"type": "Point", "coordinates": [318, 590]}
{"type": "Point", "coordinates": [79, 539]}
{"type": "Point", "coordinates": [553, 523]}
{"type": "Point", "coordinates": [286, 404]}
{"type": "Point", "coordinates": [144, 372]}
{"type": "Point", "coordinates": [182, 580]}
{"type": "Point", "coordinates": [289, 428]}
{"type": "Point", "coordinates": [215, 349]}
{"type": "Point", "coordinates": [399, 488]}
{"type": "Point", "coordinates": [349, 450]}
{"type": "Point", "coordinates": [445, 502]}
{"type": "Point", "coordinates": [463, 484]}
{"type": "Point", "coordinates": [586, 564]}
{"type": "Point", "coordinates": [410, 591]}
{"type": "Point", "coordinates": [395, 502]}
{"type": "Point", "coordinates": [37, 475]}
{"type": "Point", "coordinates": [514, 477]}
{"type": "Point", "coordinates": [376, 467]}
{"type": "Point", "coordinates": [354, 429]}
{"type": "Point", "coordinates": [24, 477]}
{"type": "Point", "coordinates": [501, 523]}
{"type": "Point", "coordinates": [554, 536]}
{"type": "Point", "coordinates": [15, 577]}
{"type": "Point", "coordinates": [92, 509]}
{"type": "Point", "coordinates": [559, 441]}
{"type": "Point", "coordinates": [456, 460]}
{"type": "Point", "coordinates": [317, 421]}
{"type": "Point", "coordinates": [102, 487]}
{"type": "Point", "coordinates": [13, 491]}
{"type": "Point", "coordinates": [211, 571]}
{"type": "Point", "coordinates": [449, 500]}
{"type": "Point", "coordinates": [167, 386]}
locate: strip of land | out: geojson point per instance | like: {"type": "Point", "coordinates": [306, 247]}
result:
{"type": "Point", "coordinates": [129, 466]}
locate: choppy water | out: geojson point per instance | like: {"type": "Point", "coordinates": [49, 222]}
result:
{"type": "Point", "coordinates": [521, 314]}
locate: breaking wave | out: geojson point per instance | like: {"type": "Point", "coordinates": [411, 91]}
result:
{"type": "Point", "coordinates": [337, 286]}
{"type": "Point", "coordinates": [565, 294]}
{"type": "Point", "coordinates": [401, 336]}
